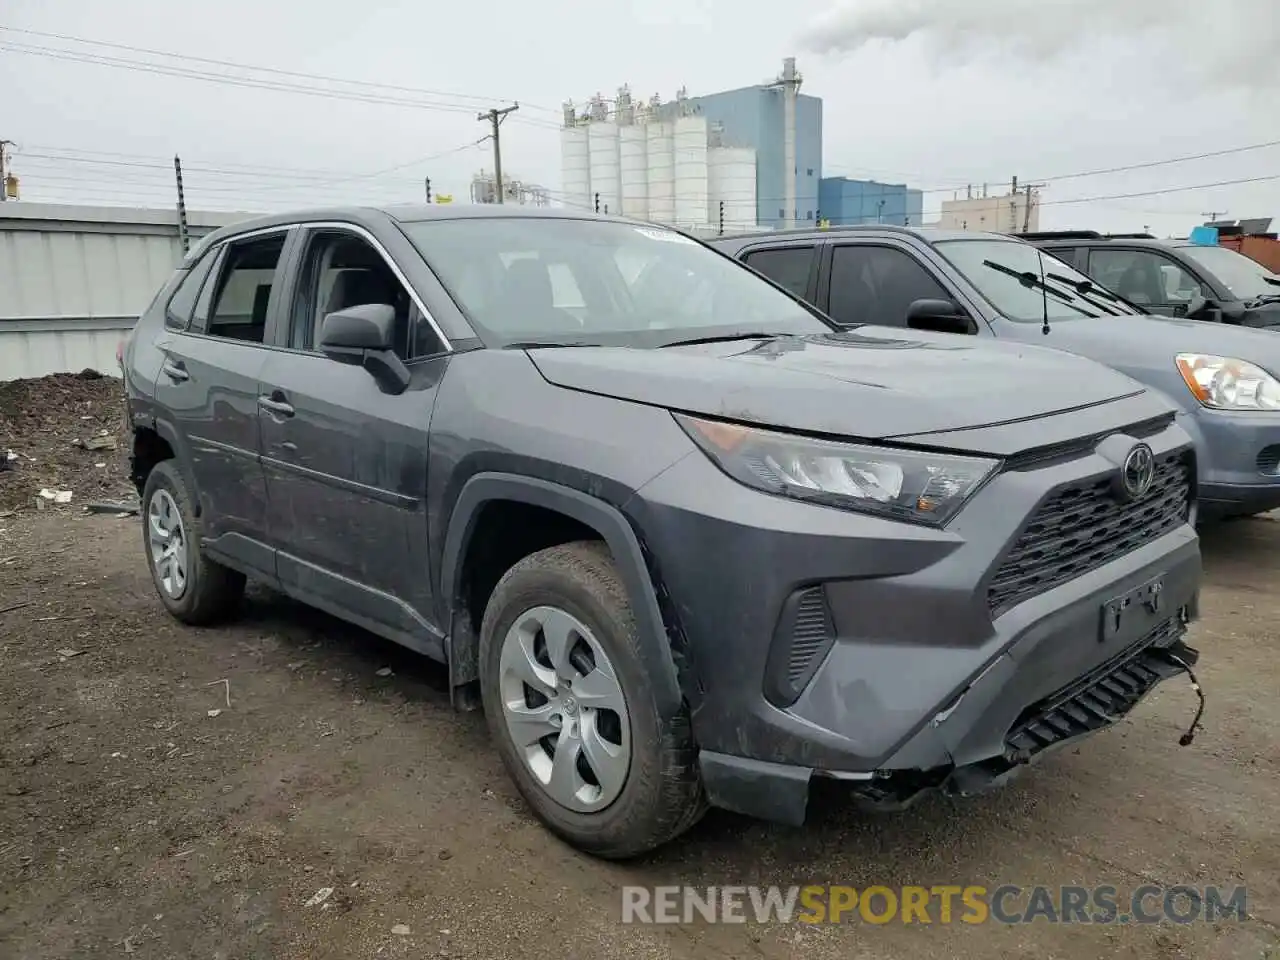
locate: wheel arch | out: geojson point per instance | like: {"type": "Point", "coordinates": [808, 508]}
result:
{"type": "Point", "coordinates": [594, 514]}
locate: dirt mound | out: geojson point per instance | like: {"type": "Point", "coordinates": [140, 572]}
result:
{"type": "Point", "coordinates": [63, 432]}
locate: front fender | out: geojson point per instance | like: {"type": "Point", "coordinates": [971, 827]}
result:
{"type": "Point", "coordinates": [596, 514]}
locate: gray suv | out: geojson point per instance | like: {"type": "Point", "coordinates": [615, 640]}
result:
{"type": "Point", "coordinates": [685, 542]}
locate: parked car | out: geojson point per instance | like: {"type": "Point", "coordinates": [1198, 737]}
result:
{"type": "Point", "coordinates": [1176, 278]}
{"type": "Point", "coordinates": [691, 544]}
{"type": "Point", "coordinates": [1222, 378]}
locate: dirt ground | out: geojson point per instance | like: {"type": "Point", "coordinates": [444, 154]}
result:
{"type": "Point", "coordinates": [65, 432]}
{"type": "Point", "coordinates": [173, 793]}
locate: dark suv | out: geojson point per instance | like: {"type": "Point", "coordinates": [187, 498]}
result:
{"type": "Point", "coordinates": [688, 542]}
{"type": "Point", "coordinates": [1175, 278]}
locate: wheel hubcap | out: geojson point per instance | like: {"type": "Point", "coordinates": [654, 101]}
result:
{"type": "Point", "coordinates": [564, 709]}
{"type": "Point", "coordinates": [168, 542]}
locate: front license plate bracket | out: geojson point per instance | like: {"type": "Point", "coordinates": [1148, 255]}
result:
{"type": "Point", "coordinates": [1141, 605]}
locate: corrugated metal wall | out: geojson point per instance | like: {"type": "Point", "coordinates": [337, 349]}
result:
{"type": "Point", "coordinates": [74, 279]}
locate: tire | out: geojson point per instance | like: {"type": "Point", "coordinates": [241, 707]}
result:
{"type": "Point", "coordinates": [661, 794]}
{"type": "Point", "coordinates": [209, 592]}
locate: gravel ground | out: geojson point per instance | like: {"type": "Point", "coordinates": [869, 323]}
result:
{"type": "Point", "coordinates": [147, 807]}
{"type": "Point", "coordinates": [63, 432]}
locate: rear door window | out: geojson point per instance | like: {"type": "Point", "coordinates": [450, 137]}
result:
{"type": "Point", "coordinates": [789, 267]}
{"type": "Point", "coordinates": [238, 309]}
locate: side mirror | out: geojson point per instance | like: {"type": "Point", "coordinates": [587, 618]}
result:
{"type": "Point", "coordinates": [942, 316]}
{"type": "Point", "coordinates": [370, 326]}
{"type": "Point", "coordinates": [365, 335]}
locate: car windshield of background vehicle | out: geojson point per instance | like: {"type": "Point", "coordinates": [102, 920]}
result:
{"type": "Point", "coordinates": [1246, 279]}
{"type": "Point", "coordinates": [1008, 274]}
{"type": "Point", "coordinates": [575, 282]}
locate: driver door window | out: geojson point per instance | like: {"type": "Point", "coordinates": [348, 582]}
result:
{"type": "Point", "coordinates": [1149, 279]}
{"type": "Point", "coordinates": [341, 270]}
{"type": "Point", "coordinates": [876, 284]}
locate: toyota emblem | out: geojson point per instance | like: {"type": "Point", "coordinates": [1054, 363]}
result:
{"type": "Point", "coordinates": [1138, 472]}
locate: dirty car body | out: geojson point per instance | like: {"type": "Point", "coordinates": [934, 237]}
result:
{"type": "Point", "coordinates": [902, 560]}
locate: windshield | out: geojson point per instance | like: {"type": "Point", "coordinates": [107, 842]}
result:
{"type": "Point", "coordinates": [1008, 274]}
{"type": "Point", "coordinates": [524, 280]}
{"type": "Point", "coordinates": [1246, 279]}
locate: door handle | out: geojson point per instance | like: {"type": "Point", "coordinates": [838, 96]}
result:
{"type": "Point", "coordinates": [175, 370]}
{"type": "Point", "coordinates": [276, 403]}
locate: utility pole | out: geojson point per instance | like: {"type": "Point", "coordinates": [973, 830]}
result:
{"type": "Point", "coordinates": [182, 206]}
{"type": "Point", "coordinates": [1213, 215]}
{"type": "Point", "coordinates": [495, 118]}
{"type": "Point", "coordinates": [427, 183]}
{"type": "Point", "coordinates": [1026, 212]}
{"type": "Point", "coordinates": [4, 169]}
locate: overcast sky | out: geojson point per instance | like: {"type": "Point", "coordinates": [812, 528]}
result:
{"type": "Point", "coordinates": [936, 93]}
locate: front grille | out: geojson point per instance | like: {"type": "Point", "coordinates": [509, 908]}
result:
{"type": "Point", "coordinates": [1096, 700]}
{"type": "Point", "coordinates": [1082, 526]}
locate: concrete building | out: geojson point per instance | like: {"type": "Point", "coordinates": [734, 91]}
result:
{"type": "Point", "coordinates": [756, 118]}
{"type": "Point", "coordinates": [74, 279]}
{"type": "Point", "coordinates": [693, 160]}
{"type": "Point", "coordinates": [1002, 214]}
{"type": "Point", "coordinates": [843, 201]}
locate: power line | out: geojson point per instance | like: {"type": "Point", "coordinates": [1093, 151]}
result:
{"type": "Point", "coordinates": [1162, 163]}
{"type": "Point", "coordinates": [272, 70]}
{"type": "Point", "coordinates": [252, 83]}
{"type": "Point", "coordinates": [314, 178]}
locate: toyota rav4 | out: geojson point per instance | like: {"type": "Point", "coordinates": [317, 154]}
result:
{"type": "Point", "coordinates": [685, 542]}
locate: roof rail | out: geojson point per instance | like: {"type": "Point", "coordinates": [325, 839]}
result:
{"type": "Point", "coordinates": [1083, 235]}
{"type": "Point", "coordinates": [1061, 235]}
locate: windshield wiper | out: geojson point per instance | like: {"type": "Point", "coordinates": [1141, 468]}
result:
{"type": "Point", "coordinates": [1274, 281]}
{"type": "Point", "coordinates": [1029, 279]}
{"type": "Point", "coordinates": [1086, 287]}
{"type": "Point", "coordinates": [726, 338]}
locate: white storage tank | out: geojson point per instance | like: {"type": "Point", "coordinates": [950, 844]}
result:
{"type": "Point", "coordinates": [575, 166]}
{"type": "Point", "coordinates": [633, 155]}
{"type": "Point", "coordinates": [605, 178]}
{"type": "Point", "coordinates": [731, 176]}
{"type": "Point", "coordinates": [660, 143]}
{"type": "Point", "coordinates": [691, 171]}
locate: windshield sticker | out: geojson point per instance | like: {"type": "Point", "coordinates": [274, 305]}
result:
{"type": "Point", "coordinates": [667, 236]}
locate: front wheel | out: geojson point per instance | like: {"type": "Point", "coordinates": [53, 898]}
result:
{"type": "Point", "coordinates": [573, 713]}
{"type": "Point", "coordinates": [193, 588]}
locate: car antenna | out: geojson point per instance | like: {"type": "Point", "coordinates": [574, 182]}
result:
{"type": "Point", "coordinates": [1044, 293]}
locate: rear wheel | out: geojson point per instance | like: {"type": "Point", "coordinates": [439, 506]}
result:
{"type": "Point", "coordinates": [193, 588]}
{"type": "Point", "coordinates": [573, 712]}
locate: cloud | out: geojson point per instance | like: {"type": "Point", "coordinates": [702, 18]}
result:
{"type": "Point", "coordinates": [1226, 43]}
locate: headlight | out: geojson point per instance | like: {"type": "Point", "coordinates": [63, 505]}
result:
{"type": "Point", "coordinates": [899, 484]}
{"type": "Point", "coordinates": [1225, 383]}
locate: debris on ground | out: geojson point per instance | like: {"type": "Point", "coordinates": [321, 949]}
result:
{"type": "Point", "coordinates": [49, 428]}
{"type": "Point", "coordinates": [320, 896]}
{"type": "Point", "coordinates": [401, 930]}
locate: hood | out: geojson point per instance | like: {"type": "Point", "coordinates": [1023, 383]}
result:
{"type": "Point", "coordinates": [869, 383]}
{"type": "Point", "coordinates": [1137, 343]}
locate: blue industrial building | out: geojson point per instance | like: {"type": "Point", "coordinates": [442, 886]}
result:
{"type": "Point", "coordinates": [843, 202]}
{"type": "Point", "coordinates": [753, 117]}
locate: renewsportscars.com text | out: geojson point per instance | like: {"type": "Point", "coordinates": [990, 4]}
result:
{"type": "Point", "coordinates": [942, 904]}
